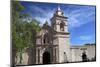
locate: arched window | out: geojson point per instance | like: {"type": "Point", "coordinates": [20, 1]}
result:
{"type": "Point", "coordinates": [62, 26]}
{"type": "Point", "coordinates": [46, 39]}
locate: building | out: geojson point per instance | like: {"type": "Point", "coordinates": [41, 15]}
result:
{"type": "Point", "coordinates": [53, 45]}
{"type": "Point", "coordinates": [54, 40]}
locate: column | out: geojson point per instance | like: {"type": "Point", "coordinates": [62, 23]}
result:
{"type": "Point", "coordinates": [53, 55]}
{"type": "Point", "coordinates": [41, 53]}
{"type": "Point", "coordinates": [57, 55]}
{"type": "Point", "coordinates": [36, 55]}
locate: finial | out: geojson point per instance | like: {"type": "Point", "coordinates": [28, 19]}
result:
{"type": "Point", "coordinates": [59, 8]}
{"type": "Point", "coordinates": [46, 22]}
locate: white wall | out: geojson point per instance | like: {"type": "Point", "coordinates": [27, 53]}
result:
{"type": "Point", "coordinates": [76, 52]}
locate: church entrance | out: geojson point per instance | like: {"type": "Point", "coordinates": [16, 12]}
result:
{"type": "Point", "coordinates": [46, 58]}
{"type": "Point", "coordinates": [84, 57]}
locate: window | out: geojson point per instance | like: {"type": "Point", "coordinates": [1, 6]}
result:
{"type": "Point", "coordinates": [46, 39]}
{"type": "Point", "coordinates": [62, 26]}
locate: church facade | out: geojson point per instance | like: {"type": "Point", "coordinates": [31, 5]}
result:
{"type": "Point", "coordinates": [53, 41]}
{"type": "Point", "coordinates": [53, 44]}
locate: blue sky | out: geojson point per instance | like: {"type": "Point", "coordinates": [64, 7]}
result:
{"type": "Point", "coordinates": [81, 19]}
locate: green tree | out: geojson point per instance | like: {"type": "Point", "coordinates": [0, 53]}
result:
{"type": "Point", "coordinates": [23, 32]}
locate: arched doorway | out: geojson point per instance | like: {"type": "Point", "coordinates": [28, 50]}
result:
{"type": "Point", "coordinates": [46, 58]}
{"type": "Point", "coordinates": [84, 57]}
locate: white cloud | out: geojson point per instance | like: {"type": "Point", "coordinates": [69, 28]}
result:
{"type": "Point", "coordinates": [86, 37]}
{"type": "Point", "coordinates": [78, 17]}
{"type": "Point", "coordinates": [42, 14]}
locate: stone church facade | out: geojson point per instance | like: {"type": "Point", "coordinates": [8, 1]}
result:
{"type": "Point", "coordinates": [54, 40]}
{"type": "Point", "coordinates": [53, 44]}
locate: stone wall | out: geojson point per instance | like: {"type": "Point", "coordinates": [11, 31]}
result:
{"type": "Point", "coordinates": [76, 52]}
{"type": "Point", "coordinates": [64, 48]}
{"type": "Point", "coordinates": [28, 57]}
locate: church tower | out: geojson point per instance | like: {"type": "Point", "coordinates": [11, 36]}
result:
{"type": "Point", "coordinates": [60, 25]}
{"type": "Point", "coordinates": [58, 21]}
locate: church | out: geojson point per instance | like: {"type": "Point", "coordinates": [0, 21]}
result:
{"type": "Point", "coordinates": [53, 41]}
{"type": "Point", "coordinates": [53, 44]}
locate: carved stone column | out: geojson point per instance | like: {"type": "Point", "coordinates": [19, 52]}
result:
{"type": "Point", "coordinates": [36, 55]}
{"type": "Point", "coordinates": [57, 55]}
{"type": "Point", "coordinates": [54, 55]}
{"type": "Point", "coordinates": [41, 53]}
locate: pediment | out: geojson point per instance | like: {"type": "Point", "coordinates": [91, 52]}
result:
{"type": "Point", "coordinates": [46, 29]}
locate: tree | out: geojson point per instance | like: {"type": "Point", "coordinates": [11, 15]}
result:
{"type": "Point", "coordinates": [23, 32]}
{"type": "Point", "coordinates": [16, 9]}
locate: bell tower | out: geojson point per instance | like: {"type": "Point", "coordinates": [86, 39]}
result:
{"type": "Point", "coordinates": [60, 25]}
{"type": "Point", "coordinates": [58, 21]}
